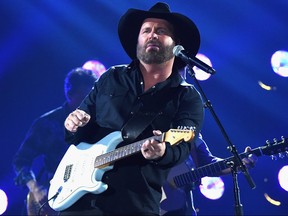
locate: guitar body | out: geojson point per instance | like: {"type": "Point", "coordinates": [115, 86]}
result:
{"type": "Point", "coordinates": [173, 198]}
{"type": "Point", "coordinates": [82, 167]}
{"type": "Point", "coordinates": [78, 163]}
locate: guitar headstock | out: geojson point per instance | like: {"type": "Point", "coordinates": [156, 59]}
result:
{"type": "Point", "coordinates": [277, 148]}
{"type": "Point", "coordinates": [174, 136]}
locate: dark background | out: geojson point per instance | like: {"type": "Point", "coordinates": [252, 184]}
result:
{"type": "Point", "coordinates": [41, 41]}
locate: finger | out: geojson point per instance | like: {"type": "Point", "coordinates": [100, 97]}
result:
{"type": "Point", "coordinates": [247, 149]}
{"type": "Point", "coordinates": [248, 162]}
{"type": "Point", "coordinates": [149, 145]}
{"type": "Point", "coordinates": [79, 117]}
{"type": "Point", "coordinates": [144, 146]}
{"type": "Point", "coordinates": [69, 125]}
{"type": "Point", "coordinates": [82, 116]}
{"type": "Point", "coordinates": [253, 158]}
{"type": "Point", "coordinates": [157, 132]}
{"type": "Point", "coordinates": [72, 122]}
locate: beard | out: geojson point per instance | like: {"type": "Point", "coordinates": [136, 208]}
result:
{"type": "Point", "coordinates": [155, 56]}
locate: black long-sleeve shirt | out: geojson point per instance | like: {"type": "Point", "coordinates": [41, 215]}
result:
{"type": "Point", "coordinates": [134, 183]}
{"type": "Point", "coordinates": [45, 138]}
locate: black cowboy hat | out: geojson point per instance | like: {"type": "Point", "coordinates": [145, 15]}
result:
{"type": "Point", "coordinates": [186, 32]}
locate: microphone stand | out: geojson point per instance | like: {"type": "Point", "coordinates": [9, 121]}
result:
{"type": "Point", "coordinates": [233, 164]}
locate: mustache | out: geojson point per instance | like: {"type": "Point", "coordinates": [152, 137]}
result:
{"type": "Point", "coordinates": [154, 43]}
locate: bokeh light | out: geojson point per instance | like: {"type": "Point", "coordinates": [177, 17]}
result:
{"type": "Point", "coordinates": [283, 177]}
{"type": "Point", "coordinates": [96, 66]}
{"type": "Point", "coordinates": [279, 63]}
{"type": "Point", "coordinates": [3, 202]}
{"type": "Point", "coordinates": [212, 187]}
{"type": "Point", "coordinates": [266, 87]}
{"type": "Point", "coordinates": [200, 74]}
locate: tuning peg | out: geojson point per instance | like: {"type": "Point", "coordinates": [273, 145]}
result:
{"type": "Point", "coordinates": [267, 142]}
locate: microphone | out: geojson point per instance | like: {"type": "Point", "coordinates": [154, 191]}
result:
{"type": "Point", "coordinates": [179, 51]}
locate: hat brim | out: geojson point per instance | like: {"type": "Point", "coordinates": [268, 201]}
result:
{"type": "Point", "coordinates": [185, 29]}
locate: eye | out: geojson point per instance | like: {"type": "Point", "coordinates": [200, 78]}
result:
{"type": "Point", "coordinates": [161, 31]}
{"type": "Point", "coordinates": [145, 30]}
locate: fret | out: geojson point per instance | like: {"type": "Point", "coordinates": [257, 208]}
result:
{"type": "Point", "coordinates": [185, 179]}
{"type": "Point", "coordinates": [194, 176]}
{"type": "Point", "coordinates": [206, 170]}
{"type": "Point", "coordinates": [127, 150]}
{"type": "Point", "coordinates": [214, 168]}
{"type": "Point", "coordinates": [120, 152]}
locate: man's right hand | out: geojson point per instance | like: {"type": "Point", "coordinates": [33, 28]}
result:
{"type": "Point", "coordinates": [77, 118]}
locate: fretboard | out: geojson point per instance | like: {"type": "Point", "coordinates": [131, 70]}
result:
{"type": "Point", "coordinates": [120, 153]}
{"type": "Point", "coordinates": [208, 170]}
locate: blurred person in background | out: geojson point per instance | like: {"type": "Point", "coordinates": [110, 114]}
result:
{"type": "Point", "coordinates": [45, 139]}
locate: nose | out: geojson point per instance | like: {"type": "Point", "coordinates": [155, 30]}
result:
{"type": "Point", "coordinates": [153, 35]}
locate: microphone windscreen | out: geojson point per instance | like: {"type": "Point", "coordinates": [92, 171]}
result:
{"type": "Point", "coordinates": [177, 49]}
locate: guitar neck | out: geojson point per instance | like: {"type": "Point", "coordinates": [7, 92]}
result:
{"type": "Point", "coordinates": [119, 153]}
{"type": "Point", "coordinates": [209, 170]}
{"type": "Point", "coordinates": [173, 136]}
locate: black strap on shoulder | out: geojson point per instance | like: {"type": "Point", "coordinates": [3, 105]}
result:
{"type": "Point", "coordinates": [144, 117]}
{"type": "Point", "coordinates": [137, 124]}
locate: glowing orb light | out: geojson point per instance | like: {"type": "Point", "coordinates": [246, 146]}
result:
{"type": "Point", "coordinates": [212, 187]}
{"type": "Point", "coordinates": [279, 63]}
{"type": "Point", "coordinates": [200, 74]}
{"type": "Point", "coordinates": [97, 67]}
{"type": "Point", "coordinates": [283, 177]}
{"type": "Point", "coordinates": [3, 202]}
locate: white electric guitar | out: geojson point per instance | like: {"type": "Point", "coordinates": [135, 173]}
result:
{"type": "Point", "coordinates": [82, 167]}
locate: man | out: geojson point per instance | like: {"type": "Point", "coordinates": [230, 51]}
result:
{"type": "Point", "coordinates": [46, 138]}
{"type": "Point", "coordinates": [142, 99]}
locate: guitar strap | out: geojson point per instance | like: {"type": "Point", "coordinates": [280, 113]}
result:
{"type": "Point", "coordinates": [145, 116]}
{"type": "Point", "coordinates": [136, 125]}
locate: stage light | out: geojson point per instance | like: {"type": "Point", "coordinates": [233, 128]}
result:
{"type": "Point", "coordinates": [3, 202]}
{"type": "Point", "coordinates": [97, 67]}
{"type": "Point", "coordinates": [212, 187]}
{"type": "Point", "coordinates": [266, 87]}
{"type": "Point", "coordinates": [271, 200]}
{"type": "Point", "coordinates": [279, 63]}
{"type": "Point", "coordinates": [200, 74]}
{"type": "Point", "coordinates": [283, 177]}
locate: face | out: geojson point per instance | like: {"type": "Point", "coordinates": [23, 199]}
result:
{"type": "Point", "coordinates": [155, 41]}
{"type": "Point", "coordinates": [75, 98]}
